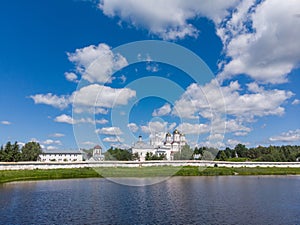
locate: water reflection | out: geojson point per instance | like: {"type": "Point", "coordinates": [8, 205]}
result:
{"type": "Point", "coordinates": [179, 200]}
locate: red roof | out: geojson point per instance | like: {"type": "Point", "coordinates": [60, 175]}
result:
{"type": "Point", "coordinates": [97, 147]}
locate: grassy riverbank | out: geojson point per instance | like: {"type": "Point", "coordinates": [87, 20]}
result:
{"type": "Point", "coordinates": [24, 175]}
{"type": "Point", "coordinates": [243, 171]}
{"type": "Point", "coordinates": [194, 171]}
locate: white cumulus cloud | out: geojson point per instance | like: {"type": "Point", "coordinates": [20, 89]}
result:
{"type": "Point", "coordinates": [262, 40]}
{"type": "Point", "coordinates": [70, 76]}
{"type": "Point", "coordinates": [205, 100]}
{"type": "Point", "coordinates": [296, 102]}
{"type": "Point", "coordinates": [168, 19]}
{"type": "Point", "coordinates": [259, 39]}
{"type": "Point", "coordinates": [64, 119]}
{"type": "Point", "coordinates": [154, 127]}
{"type": "Point", "coordinates": [97, 63]}
{"type": "Point", "coordinates": [101, 121]}
{"type": "Point", "coordinates": [114, 131]}
{"type": "Point", "coordinates": [133, 127]}
{"type": "Point", "coordinates": [243, 107]}
{"type": "Point", "coordinates": [164, 110]}
{"type": "Point", "coordinates": [290, 136]}
{"type": "Point", "coordinates": [93, 110]}
{"type": "Point", "coordinates": [60, 102]}
{"type": "Point", "coordinates": [96, 95]}
{"type": "Point", "coordinates": [113, 139]}
{"type": "Point", "coordinates": [51, 148]}
{"type": "Point", "coordinates": [193, 128]}
{"type": "Point", "coordinates": [70, 120]}
{"type": "Point", "coordinates": [50, 142]}
{"type": "Point", "coordinates": [93, 98]}
{"type": "Point", "coordinates": [5, 122]}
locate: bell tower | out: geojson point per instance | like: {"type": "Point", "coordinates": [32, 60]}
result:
{"type": "Point", "coordinates": [97, 151]}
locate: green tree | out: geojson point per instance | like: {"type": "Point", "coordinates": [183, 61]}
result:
{"type": "Point", "coordinates": [118, 154]}
{"type": "Point", "coordinates": [2, 154]}
{"type": "Point", "coordinates": [222, 155]}
{"type": "Point", "coordinates": [241, 150]}
{"type": "Point", "coordinates": [15, 155]}
{"type": "Point", "coordinates": [7, 152]}
{"type": "Point", "coordinates": [30, 151]}
{"type": "Point", "coordinates": [135, 156]}
{"type": "Point", "coordinates": [148, 155]}
{"type": "Point", "coordinates": [186, 153]}
{"type": "Point", "coordinates": [10, 153]}
{"type": "Point", "coordinates": [151, 156]}
{"type": "Point", "coordinates": [271, 153]}
{"type": "Point", "coordinates": [208, 155]}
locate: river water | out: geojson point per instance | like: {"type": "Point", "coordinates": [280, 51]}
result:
{"type": "Point", "coordinates": [179, 200]}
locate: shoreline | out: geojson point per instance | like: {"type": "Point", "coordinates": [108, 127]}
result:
{"type": "Point", "coordinates": [140, 172]}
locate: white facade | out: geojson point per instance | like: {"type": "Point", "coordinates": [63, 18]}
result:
{"type": "Point", "coordinates": [141, 148]}
{"type": "Point", "coordinates": [97, 150]}
{"type": "Point", "coordinates": [171, 144]}
{"type": "Point", "coordinates": [61, 156]}
{"type": "Point", "coordinates": [97, 154]}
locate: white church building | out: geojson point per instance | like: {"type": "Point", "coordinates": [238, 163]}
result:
{"type": "Point", "coordinates": [97, 154]}
{"type": "Point", "coordinates": [171, 144]}
{"type": "Point", "coordinates": [61, 156]}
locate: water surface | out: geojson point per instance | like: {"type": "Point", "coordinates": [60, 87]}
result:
{"type": "Point", "coordinates": [179, 200]}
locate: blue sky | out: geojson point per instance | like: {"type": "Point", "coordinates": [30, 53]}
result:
{"type": "Point", "coordinates": [65, 85]}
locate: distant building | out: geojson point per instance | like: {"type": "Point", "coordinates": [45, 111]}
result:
{"type": "Point", "coordinates": [174, 142]}
{"type": "Point", "coordinates": [142, 148]}
{"type": "Point", "coordinates": [60, 156]}
{"type": "Point", "coordinates": [171, 144]}
{"type": "Point", "coordinates": [97, 154]}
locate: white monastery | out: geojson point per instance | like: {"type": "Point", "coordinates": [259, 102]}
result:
{"type": "Point", "coordinates": [70, 156]}
{"type": "Point", "coordinates": [60, 156]}
{"type": "Point", "coordinates": [169, 146]}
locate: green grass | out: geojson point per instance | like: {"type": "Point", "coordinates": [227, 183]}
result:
{"type": "Point", "coordinates": [155, 171]}
{"type": "Point", "coordinates": [267, 171]}
{"type": "Point", "coordinates": [238, 159]}
{"type": "Point", "coordinates": [23, 175]}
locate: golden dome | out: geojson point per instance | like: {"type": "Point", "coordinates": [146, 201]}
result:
{"type": "Point", "coordinates": [176, 131]}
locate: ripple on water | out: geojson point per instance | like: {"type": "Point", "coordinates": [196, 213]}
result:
{"type": "Point", "coordinates": [180, 200]}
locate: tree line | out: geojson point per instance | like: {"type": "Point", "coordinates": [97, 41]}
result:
{"type": "Point", "coordinates": [286, 153]}
{"type": "Point", "coordinates": [240, 152]}
{"type": "Point", "coordinates": [13, 153]}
